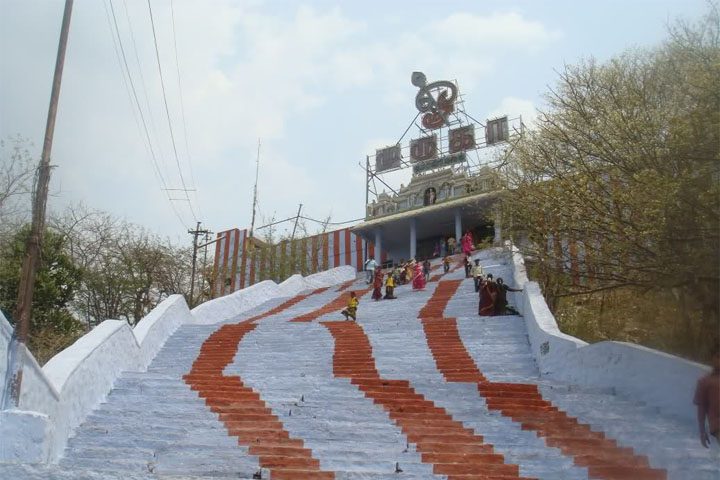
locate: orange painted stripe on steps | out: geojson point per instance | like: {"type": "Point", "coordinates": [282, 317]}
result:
{"type": "Point", "coordinates": [452, 449]}
{"type": "Point", "coordinates": [438, 276]}
{"type": "Point", "coordinates": [455, 363]}
{"type": "Point", "coordinates": [523, 403]}
{"type": "Point", "coordinates": [345, 286]}
{"type": "Point", "coordinates": [335, 305]}
{"type": "Point", "coordinates": [244, 413]}
{"type": "Point", "coordinates": [285, 305]}
{"type": "Point", "coordinates": [438, 301]}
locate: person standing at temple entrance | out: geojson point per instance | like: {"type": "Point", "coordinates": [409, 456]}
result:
{"type": "Point", "coordinates": [370, 265]}
{"type": "Point", "coordinates": [451, 245]}
{"type": "Point", "coordinates": [467, 243]}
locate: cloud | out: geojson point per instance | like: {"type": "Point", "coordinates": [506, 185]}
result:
{"type": "Point", "coordinates": [498, 31]}
{"type": "Point", "coordinates": [514, 107]}
{"type": "Point", "coordinates": [248, 71]}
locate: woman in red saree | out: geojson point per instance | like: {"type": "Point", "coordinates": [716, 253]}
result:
{"type": "Point", "coordinates": [419, 278]}
{"type": "Point", "coordinates": [377, 284]}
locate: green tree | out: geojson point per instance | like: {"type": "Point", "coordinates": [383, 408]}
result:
{"type": "Point", "coordinates": [621, 174]}
{"type": "Point", "coordinates": [53, 326]}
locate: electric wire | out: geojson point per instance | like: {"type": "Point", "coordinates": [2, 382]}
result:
{"type": "Point", "coordinates": [143, 84]}
{"type": "Point", "coordinates": [182, 111]}
{"type": "Point", "coordinates": [137, 103]}
{"type": "Point", "coordinates": [167, 112]}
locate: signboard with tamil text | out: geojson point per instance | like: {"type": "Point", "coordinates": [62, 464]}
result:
{"type": "Point", "coordinates": [462, 139]}
{"type": "Point", "coordinates": [388, 158]}
{"type": "Point", "coordinates": [441, 162]}
{"type": "Point", "coordinates": [496, 131]}
{"type": "Point", "coordinates": [423, 148]}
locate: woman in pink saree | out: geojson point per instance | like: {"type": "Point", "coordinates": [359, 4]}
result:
{"type": "Point", "coordinates": [467, 243]}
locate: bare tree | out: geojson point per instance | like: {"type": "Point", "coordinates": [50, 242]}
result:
{"type": "Point", "coordinates": [16, 181]}
{"type": "Point", "coordinates": [126, 270]}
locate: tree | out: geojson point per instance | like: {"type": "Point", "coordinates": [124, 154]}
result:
{"type": "Point", "coordinates": [53, 325]}
{"type": "Point", "coordinates": [282, 256]}
{"type": "Point", "coordinates": [620, 180]}
{"type": "Point", "coordinates": [16, 176]}
{"type": "Point", "coordinates": [126, 270]}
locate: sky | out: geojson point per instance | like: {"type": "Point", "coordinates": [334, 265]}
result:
{"type": "Point", "coordinates": [322, 84]}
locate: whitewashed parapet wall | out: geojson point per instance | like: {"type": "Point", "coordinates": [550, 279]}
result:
{"type": "Point", "coordinates": [655, 378]}
{"type": "Point", "coordinates": [57, 397]}
{"type": "Point", "coordinates": [240, 301]}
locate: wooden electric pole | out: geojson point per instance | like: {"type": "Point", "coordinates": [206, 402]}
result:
{"type": "Point", "coordinates": [23, 312]}
{"type": "Point", "coordinates": [195, 233]}
{"type": "Point", "coordinates": [254, 207]}
{"type": "Point", "coordinates": [297, 218]}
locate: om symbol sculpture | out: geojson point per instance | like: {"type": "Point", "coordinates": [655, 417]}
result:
{"type": "Point", "coordinates": [436, 100]}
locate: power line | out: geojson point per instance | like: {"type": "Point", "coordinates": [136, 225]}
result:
{"type": "Point", "coordinates": [182, 110]}
{"type": "Point", "coordinates": [167, 110]}
{"type": "Point", "coordinates": [153, 128]}
{"type": "Point", "coordinates": [142, 117]}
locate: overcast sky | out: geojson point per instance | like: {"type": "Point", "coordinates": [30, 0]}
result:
{"type": "Point", "coordinates": [321, 83]}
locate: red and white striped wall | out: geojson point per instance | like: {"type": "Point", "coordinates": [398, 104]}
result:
{"type": "Point", "coordinates": [234, 268]}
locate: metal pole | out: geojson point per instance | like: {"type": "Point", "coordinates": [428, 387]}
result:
{"type": "Point", "coordinates": [23, 310]}
{"type": "Point", "coordinates": [367, 183]}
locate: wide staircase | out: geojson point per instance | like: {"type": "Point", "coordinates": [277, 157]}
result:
{"type": "Point", "coordinates": [419, 387]}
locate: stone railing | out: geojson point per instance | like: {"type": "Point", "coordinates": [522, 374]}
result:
{"type": "Point", "coordinates": [655, 378]}
{"type": "Point", "coordinates": [57, 397]}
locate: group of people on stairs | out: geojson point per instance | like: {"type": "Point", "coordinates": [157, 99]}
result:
{"type": "Point", "coordinates": [493, 301]}
{"type": "Point", "coordinates": [411, 271]}
{"type": "Point", "coordinates": [493, 293]}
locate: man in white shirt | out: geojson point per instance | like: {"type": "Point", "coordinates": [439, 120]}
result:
{"type": "Point", "coordinates": [477, 273]}
{"type": "Point", "coordinates": [370, 269]}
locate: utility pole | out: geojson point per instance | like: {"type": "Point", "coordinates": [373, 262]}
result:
{"type": "Point", "coordinates": [195, 233]}
{"type": "Point", "coordinates": [33, 246]}
{"type": "Point", "coordinates": [204, 268]}
{"type": "Point", "coordinates": [254, 208]}
{"type": "Point", "coordinates": [292, 237]}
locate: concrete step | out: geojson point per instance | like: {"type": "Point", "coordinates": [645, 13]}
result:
{"type": "Point", "coordinates": [153, 425]}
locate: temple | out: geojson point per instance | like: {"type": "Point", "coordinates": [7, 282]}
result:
{"type": "Point", "coordinates": [453, 188]}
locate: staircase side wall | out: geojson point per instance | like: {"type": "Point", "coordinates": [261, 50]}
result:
{"type": "Point", "coordinates": [650, 376]}
{"type": "Point", "coordinates": [229, 306]}
{"type": "Point", "coordinates": [77, 379]}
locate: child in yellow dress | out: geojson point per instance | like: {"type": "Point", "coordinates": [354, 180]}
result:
{"type": "Point", "coordinates": [351, 309]}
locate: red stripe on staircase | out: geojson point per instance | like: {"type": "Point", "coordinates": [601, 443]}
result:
{"type": "Point", "coordinates": [345, 286]}
{"type": "Point", "coordinates": [335, 305]}
{"type": "Point", "coordinates": [437, 276]}
{"type": "Point", "coordinates": [523, 403]}
{"type": "Point", "coordinates": [452, 449]}
{"type": "Point", "coordinates": [244, 413]}
{"type": "Point", "coordinates": [438, 301]}
{"type": "Point", "coordinates": [285, 305]}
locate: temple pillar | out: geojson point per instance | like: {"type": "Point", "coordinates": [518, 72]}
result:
{"type": "Point", "coordinates": [458, 227]}
{"type": "Point", "coordinates": [413, 237]}
{"type": "Point", "coordinates": [497, 223]}
{"type": "Point", "coordinates": [378, 247]}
